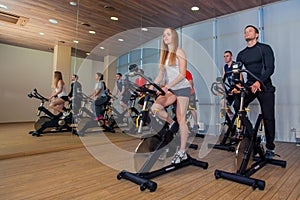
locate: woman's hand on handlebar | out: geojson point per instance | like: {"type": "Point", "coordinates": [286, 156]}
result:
{"type": "Point", "coordinates": [255, 86]}
{"type": "Point", "coordinates": [151, 87]}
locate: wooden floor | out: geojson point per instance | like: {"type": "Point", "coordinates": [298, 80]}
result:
{"type": "Point", "coordinates": [63, 166]}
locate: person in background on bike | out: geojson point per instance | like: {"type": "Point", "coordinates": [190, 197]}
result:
{"type": "Point", "coordinates": [75, 94]}
{"type": "Point", "coordinates": [99, 95]}
{"type": "Point", "coordinates": [121, 92]}
{"type": "Point", "coordinates": [172, 66]}
{"type": "Point", "coordinates": [118, 85]}
{"type": "Point", "coordinates": [258, 58]}
{"type": "Point", "coordinates": [193, 105]}
{"type": "Point", "coordinates": [229, 79]}
{"type": "Point", "coordinates": [58, 87]}
{"type": "Point", "coordinates": [141, 81]}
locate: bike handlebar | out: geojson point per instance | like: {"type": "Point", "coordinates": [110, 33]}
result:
{"type": "Point", "coordinates": [149, 81]}
{"type": "Point", "coordinates": [238, 71]}
{"type": "Point", "coordinates": [37, 95]}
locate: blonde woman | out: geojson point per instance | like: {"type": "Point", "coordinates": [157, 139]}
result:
{"type": "Point", "coordinates": [58, 87]}
{"type": "Point", "coordinates": [172, 66]}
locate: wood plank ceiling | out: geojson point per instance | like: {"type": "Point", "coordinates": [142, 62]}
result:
{"type": "Point", "coordinates": [75, 22]}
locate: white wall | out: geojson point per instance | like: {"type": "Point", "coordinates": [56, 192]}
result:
{"type": "Point", "coordinates": [22, 70]}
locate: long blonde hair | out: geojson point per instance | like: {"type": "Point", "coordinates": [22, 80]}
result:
{"type": "Point", "coordinates": [164, 51]}
{"type": "Point", "coordinates": [57, 77]}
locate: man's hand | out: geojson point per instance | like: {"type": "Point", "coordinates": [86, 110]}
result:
{"type": "Point", "coordinates": [255, 86]}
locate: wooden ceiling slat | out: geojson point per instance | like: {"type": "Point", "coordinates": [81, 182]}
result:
{"type": "Point", "coordinates": [132, 14]}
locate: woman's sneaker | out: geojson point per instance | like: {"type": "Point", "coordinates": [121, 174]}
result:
{"type": "Point", "coordinates": [179, 157]}
{"type": "Point", "coordinates": [65, 114]}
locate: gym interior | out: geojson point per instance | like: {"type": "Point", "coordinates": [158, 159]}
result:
{"type": "Point", "coordinates": [68, 165]}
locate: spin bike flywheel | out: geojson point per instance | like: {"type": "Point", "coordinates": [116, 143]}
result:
{"type": "Point", "coordinates": [39, 122]}
{"type": "Point", "coordinates": [224, 129]}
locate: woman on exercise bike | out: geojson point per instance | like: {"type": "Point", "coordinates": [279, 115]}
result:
{"type": "Point", "coordinates": [172, 66]}
{"type": "Point", "coordinates": [99, 95]}
{"type": "Point", "coordinates": [57, 104]}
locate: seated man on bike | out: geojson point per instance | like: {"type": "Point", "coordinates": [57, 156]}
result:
{"type": "Point", "coordinates": [229, 78]}
{"type": "Point", "coordinates": [140, 81]}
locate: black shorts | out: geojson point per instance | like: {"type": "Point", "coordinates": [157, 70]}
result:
{"type": "Point", "coordinates": [65, 98]}
{"type": "Point", "coordinates": [184, 92]}
{"type": "Point", "coordinates": [230, 99]}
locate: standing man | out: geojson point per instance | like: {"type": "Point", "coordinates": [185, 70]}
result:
{"type": "Point", "coordinates": [259, 59]}
{"type": "Point", "coordinates": [75, 94]}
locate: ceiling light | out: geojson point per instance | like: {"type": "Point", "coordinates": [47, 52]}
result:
{"type": "Point", "coordinates": [76, 41]}
{"type": "Point", "coordinates": [92, 32]}
{"type": "Point", "coordinates": [87, 54]}
{"type": "Point", "coordinates": [121, 40]}
{"type": "Point", "coordinates": [3, 7]}
{"type": "Point", "coordinates": [72, 3]}
{"type": "Point", "coordinates": [53, 21]}
{"type": "Point", "coordinates": [42, 33]}
{"type": "Point", "coordinates": [195, 8]}
{"type": "Point", "coordinates": [144, 29]}
{"type": "Point", "coordinates": [102, 48]}
{"type": "Point", "coordinates": [114, 18]}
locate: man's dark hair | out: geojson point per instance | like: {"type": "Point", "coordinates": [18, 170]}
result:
{"type": "Point", "coordinates": [256, 29]}
{"type": "Point", "coordinates": [76, 76]}
{"type": "Point", "coordinates": [119, 74]}
{"type": "Point", "coordinates": [228, 52]}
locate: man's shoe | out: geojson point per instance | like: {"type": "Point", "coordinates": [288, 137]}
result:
{"type": "Point", "coordinates": [195, 128]}
{"type": "Point", "coordinates": [270, 154]}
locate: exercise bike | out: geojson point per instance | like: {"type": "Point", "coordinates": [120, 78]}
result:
{"type": "Point", "coordinates": [227, 139]}
{"type": "Point", "coordinates": [47, 121]}
{"type": "Point", "coordinates": [86, 117]}
{"type": "Point", "coordinates": [249, 145]}
{"type": "Point", "coordinates": [127, 118]}
{"type": "Point", "coordinates": [154, 146]}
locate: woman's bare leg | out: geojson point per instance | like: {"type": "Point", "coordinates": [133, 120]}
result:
{"type": "Point", "coordinates": [181, 109]}
{"type": "Point", "coordinates": [57, 105]}
{"type": "Point", "coordinates": [158, 108]}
